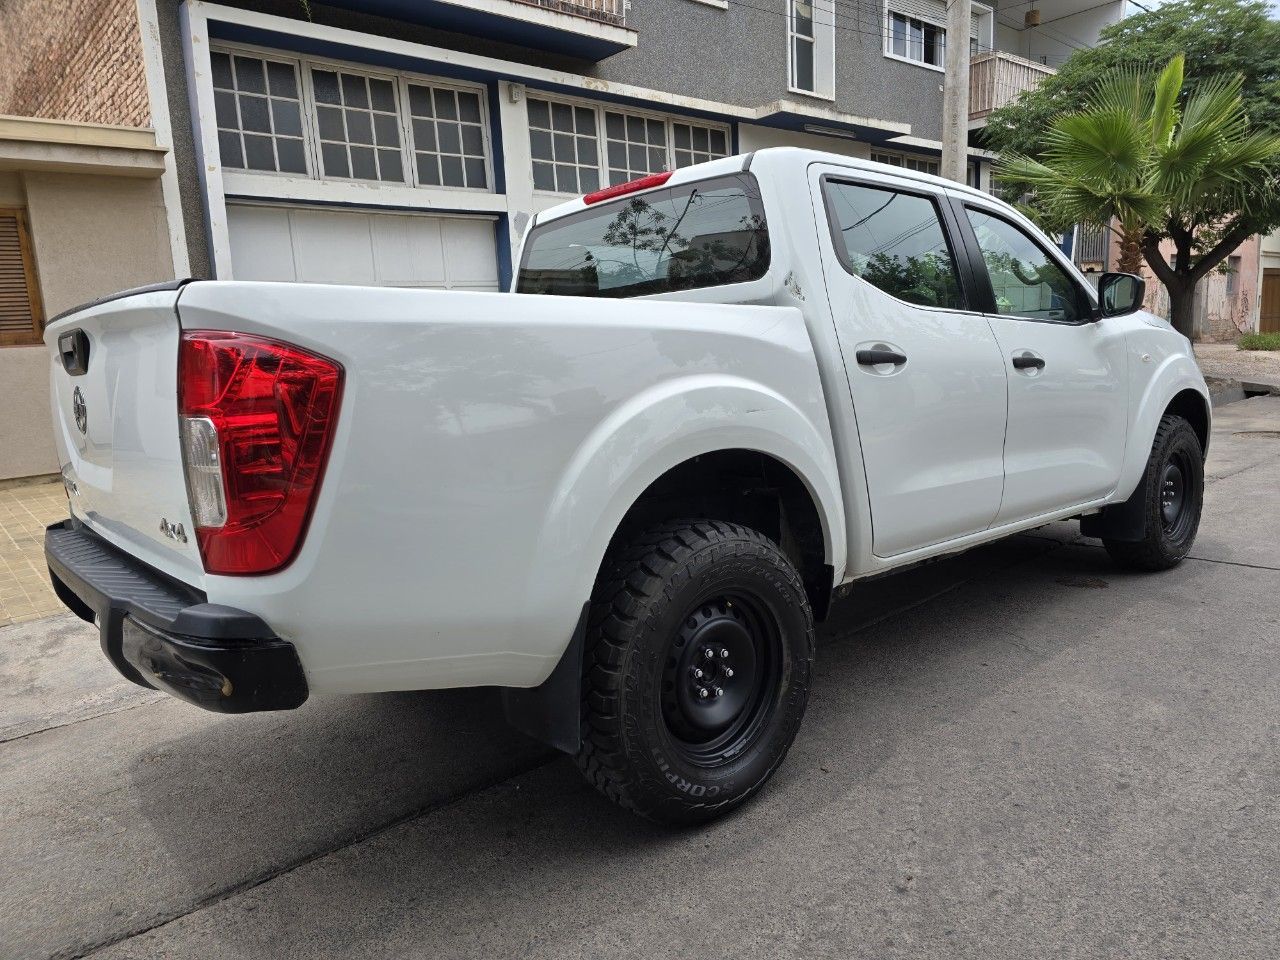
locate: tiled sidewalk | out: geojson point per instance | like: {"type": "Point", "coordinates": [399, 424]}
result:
{"type": "Point", "coordinates": [25, 511]}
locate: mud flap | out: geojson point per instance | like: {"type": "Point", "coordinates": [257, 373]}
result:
{"type": "Point", "coordinates": [552, 711]}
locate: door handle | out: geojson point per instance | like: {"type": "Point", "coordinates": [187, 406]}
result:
{"type": "Point", "coordinates": [869, 358]}
{"type": "Point", "coordinates": [1024, 363]}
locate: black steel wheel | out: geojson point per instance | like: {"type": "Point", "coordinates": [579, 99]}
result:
{"type": "Point", "coordinates": [700, 646]}
{"type": "Point", "coordinates": [1172, 489]}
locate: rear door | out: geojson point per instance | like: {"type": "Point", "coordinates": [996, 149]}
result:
{"type": "Point", "coordinates": [925, 372]}
{"type": "Point", "coordinates": [113, 381]}
{"type": "Point", "coordinates": [1068, 382]}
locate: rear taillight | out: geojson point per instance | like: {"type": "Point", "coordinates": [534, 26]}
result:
{"type": "Point", "coordinates": [631, 186]}
{"type": "Point", "coordinates": [257, 421]}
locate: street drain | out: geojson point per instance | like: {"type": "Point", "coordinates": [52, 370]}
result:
{"type": "Point", "coordinates": [1259, 434]}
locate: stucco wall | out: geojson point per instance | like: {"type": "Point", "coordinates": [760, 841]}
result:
{"type": "Point", "coordinates": [94, 235]}
{"type": "Point", "coordinates": [1220, 315]}
{"type": "Point", "coordinates": [73, 60]}
{"type": "Point", "coordinates": [26, 432]}
{"type": "Point", "coordinates": [91, 235]}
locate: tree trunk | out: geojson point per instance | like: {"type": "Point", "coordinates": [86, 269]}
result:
{"type": "Point", "coordinates": [1182, 299]}
{"type": "Point", "coordinates": [1130, 251]}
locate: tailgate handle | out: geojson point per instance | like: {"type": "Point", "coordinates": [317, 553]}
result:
{"type": "Point", "coordinates": [73, 347]}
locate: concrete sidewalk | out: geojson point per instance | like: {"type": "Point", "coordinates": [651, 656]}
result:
{"type": "Point", "coordinates": [1020, 752]}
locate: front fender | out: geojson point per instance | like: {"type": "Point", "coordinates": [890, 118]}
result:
{"type": "Point", "coordinates": [655, 431]}
{"type": "Point", "coordinates": [1174, 373]}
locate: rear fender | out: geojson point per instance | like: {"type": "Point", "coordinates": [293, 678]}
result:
{"type": "Point", "coordinates": [655, 431]}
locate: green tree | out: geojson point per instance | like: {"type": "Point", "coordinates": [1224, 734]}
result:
{"type": "Point", "coordinates": [1215, 38]}
{"type": "Point", "coordinates": [1164, 164]}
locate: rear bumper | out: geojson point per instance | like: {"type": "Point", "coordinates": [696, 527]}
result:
{"type": "Point", "coordinates": [163, 634]}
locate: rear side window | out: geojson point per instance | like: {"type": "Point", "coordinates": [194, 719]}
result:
{"type": "Point", "coordinates": [895, 241]}
{"type": "Point", "coordinates": [703, 234]}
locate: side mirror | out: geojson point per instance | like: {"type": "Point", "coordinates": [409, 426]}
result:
{"type": "Point", "coordinates": [1119, 294]}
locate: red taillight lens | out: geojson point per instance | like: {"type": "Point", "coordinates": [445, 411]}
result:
{"type": "Point", "coordinates": [258, 420]}
{"type": "Point", "coordinates": [631, 186]}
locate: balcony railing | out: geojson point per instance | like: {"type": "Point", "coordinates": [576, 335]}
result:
{"type": "Point", "coordinates": [605, 11]}
{"type": "Point", "coordinates": [996, 78]}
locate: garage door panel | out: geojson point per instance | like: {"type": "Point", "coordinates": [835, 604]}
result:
{"type": "Point", "coordinates": [332, 247]}
{"type": "Point", "coordinates": [469, 253]}
{"type": "Point", "coordinates": [408, 251]}
{"type": "Point", "coordinates": [361, 247]}
{"type": "Point", "coordinates": [261, 247]}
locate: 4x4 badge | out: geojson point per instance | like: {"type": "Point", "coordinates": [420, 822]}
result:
{"type": "Point", "coordinates": [79, 410]}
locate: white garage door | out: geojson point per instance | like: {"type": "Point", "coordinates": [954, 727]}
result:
{"type": "Point", "coordinates": [342, 246]}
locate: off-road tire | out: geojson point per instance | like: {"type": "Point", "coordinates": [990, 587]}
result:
{"type": "Point", "coordinates": [649, 593]}
{"type": "Point", "coordinates": [1166, 542]}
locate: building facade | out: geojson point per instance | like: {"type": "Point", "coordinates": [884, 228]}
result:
{"type": "Point", "coordinates": [388, 142]}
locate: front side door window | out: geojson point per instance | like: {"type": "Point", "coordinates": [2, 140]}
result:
{"type": "Point", "coordinates": [1025, 279]}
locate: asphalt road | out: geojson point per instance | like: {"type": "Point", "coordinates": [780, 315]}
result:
{"type": "Point", "coordinates": [1020, 752]}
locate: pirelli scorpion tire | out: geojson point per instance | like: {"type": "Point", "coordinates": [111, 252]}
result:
{"type": "Point", "coordinates": [1172, 491]}
{"type": "Point", "coordinates": [696, 670]}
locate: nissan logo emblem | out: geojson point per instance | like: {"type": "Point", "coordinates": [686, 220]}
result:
{"type": "Point", "coordinates": [80, 411]}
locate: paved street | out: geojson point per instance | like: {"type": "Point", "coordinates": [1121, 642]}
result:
{"type": "Point", "coordinates": [1021, 752]}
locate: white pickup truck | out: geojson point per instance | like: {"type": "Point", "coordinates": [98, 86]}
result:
{"type": "Point", "coordinates": [625, 491]}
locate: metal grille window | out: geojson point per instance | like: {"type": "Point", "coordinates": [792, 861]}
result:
{"type": "Point", "coordinates": [693, 144]}
{"type": "Point", "coordinates": [21, 318]}
{"type": "Point", "coordinates": [907, 162]}
{"type": "Point", "coordinates": [259, 113]}
{"type": "Point", "coordinates": [577, 147]}
{"type": "Point", "coordinates": [565, 147]}
{"type": "Point", "coordinates": [635, 146]}
{"type": "Point", "coordinates": [448, 137]}
{"type": "Point", "coordinates": [358, 126]}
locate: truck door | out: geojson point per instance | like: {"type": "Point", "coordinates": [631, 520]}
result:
{"type": "Point", "coordinates": [926, 375]}
{"type": "Point", "coordinates": [1068, 380]}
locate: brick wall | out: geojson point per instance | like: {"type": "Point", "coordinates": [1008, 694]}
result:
{"type": "Point", "coordinates": [73, 60]}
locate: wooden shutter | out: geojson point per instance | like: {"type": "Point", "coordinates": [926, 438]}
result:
{"type": "Point", "coordinates": [21, 316]}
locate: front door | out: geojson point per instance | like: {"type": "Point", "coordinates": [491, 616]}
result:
{"type": "Point", "coordinates": [1269, 319]}
{"type": "Point", "coordinates": [925, 372]}
{"type": "Point", "coordinates": [1068, 381]}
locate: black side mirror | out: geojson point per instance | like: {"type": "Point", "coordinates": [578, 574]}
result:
{"type": "Point", "coordinates": [1120, 293]}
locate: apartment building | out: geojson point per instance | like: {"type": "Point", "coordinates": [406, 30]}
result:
{"type": "Point", "coordinates": [388, 142]}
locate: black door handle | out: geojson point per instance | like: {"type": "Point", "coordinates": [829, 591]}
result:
{"type": "Point", "coordinates": [871, 357]}
{"type": "Point", "coordinates": [1023, 363]}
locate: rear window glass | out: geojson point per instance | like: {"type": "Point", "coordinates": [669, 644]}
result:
{"type": "Point", "coordinates": [701, 234]}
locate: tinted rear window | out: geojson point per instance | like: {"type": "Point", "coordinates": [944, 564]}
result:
{"type": "Point", "coordinates": [701, 234]}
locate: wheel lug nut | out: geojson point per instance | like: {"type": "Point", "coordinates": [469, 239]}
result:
{"type": "Point", "coordinates": [724, 653]}
{"type": "Point", "coordinates": [728, 672]}
{"type": "Point", "coordinates": [697, 673]}
{"type": "Point", "coordinates": [709, 653]}
{"type": "Point", "coordinates": [702, 693]}
{"type": "Point", "coordinates": [718, 692]}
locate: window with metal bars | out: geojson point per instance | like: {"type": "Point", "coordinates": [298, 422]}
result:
{"type": "Point", "coordinates": [21, 314]}
{"type": "Point", "coordinates": [578, 147]}
{"type": "Point", "coordinates": [259, 113]}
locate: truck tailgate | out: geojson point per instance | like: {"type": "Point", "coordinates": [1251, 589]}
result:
{"type": "Point", "coordinates": [113, 381]}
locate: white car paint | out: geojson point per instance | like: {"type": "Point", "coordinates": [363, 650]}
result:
{"type": "Point", "coordinates": [489, 444]}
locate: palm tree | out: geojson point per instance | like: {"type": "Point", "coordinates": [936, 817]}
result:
{"type": "Point", "coordinates": [1161, 167]}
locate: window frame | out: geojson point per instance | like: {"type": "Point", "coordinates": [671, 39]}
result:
{"type": "Point", "coordinates": [919, 158]}
{"type": "Point", "coordinates": [301, 76]}
{"type": "Point", "coordinates": [794, 37]}
{"type": "Point", "coordinates": [889, 14]}
{"type": "Point", "coordinates": [668, 120]}
{"type": "Point", "coordinates": [982, 276]}
{"type": "Point", "coordinates": [942, 206]}
{"type": "Point", "coordinates": [34, 299]}
{"type": "Point", "coordinates": [400, 79]}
